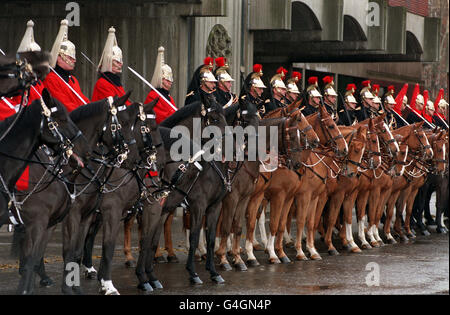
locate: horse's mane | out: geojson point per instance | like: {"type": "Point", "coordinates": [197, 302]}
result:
{"type": "Point", "coordinates": [181, 114]}
{"type": "Point", "coordinates": [88, 110]}
{"type": "Point", "coordinates": [28, 115]}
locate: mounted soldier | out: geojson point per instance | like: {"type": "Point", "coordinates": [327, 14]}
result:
{"type": "Point", "coordinates": [253, 88]}
{"type": "Point", "coordinates": [330, 97]}
{"type": "Point", "coordinates": [391, 119]}
{"type": "Point", "coordinates": [441, 111]}
{"type": "Point", "coordinates": [162, 80]}
{"type": "Point", "coordinates": [347, 114]}
{"type": "Point", "coordinates": [61, 83]}
{"type": "Point", "coordinates": [110, 70]}
{"type": "Point", "coordinates": [417, 105]}
{"type": "Point", "coordinates": [363, 112]}
{"type": "Point", "coordinates": [377, 108]}
{"type": "Point", "coordinates": [293, 93]}
{"type": "Point", "coordinates": [203, 82]}
{"type": "Point", "coordinates": [313, 97]}
{"type": "Point", "coordinates": [224, 83]}
{"type": "Point", "coordinates": [278, 91]}
{"type": "Point", "coordinates": [9, 106]}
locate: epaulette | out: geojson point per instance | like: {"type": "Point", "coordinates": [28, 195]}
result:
{"type": "Point", "coordinates": [189, 94]}
{"type": "Point", "coordinates": [267, 101]}
{"type": "Point", "coordinates": [380, 112]}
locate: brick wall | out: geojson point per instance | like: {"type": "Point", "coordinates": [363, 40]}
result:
{"type": "Point", "coordinates": [419, 7]}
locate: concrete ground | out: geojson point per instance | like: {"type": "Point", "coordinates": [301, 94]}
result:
{"type": "Point", "coordinates": [418, 267]}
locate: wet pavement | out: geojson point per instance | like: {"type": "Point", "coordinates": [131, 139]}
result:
{"type": "Point", "coordinates": [418, 267]}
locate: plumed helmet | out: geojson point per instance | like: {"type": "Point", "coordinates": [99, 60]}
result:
{"type": "Point", "coordinates": [28, 43]}
{"type": "Point", "coordinates": [162, 71]}
{"type": "Point", "coordinates": [221, 70]}
{"type": "Point", "coordinates": [420, 99]}
{"type": "Point", "coordinates": [329, 86]}
{"type": "Point", "coordinates": [62, 45]}
{"type": "Point", "coordinates": [312, 87]}
{"type": "Point", "coordinates": [255, 77]}
{"type": "Point", "coordinates": [277, 81]}
{"type": "Point", "coordinates": [111, 52]}
{"type": "Point", "coordinates": [292, 82]}
{"type": "Point", "coordinates": [430, 105]}
{"type": "Point", "coordinates": [349, 98]}
{"type": "Point", "coordinates": [206, 74]}
{"type": "Point", "coordinates": [366, 90]}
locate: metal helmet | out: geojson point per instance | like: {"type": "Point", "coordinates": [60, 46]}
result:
{"type": "Point", "coordinates": [205, 72]}
{"type": "Point", "coordinates": [28, 43]}
{"type": "Point", "coordinates": [277, 81]}
{"type": "Point", "coordinates": [162, 71]}
{"type": "Point", "coordinates": [111, 52]}
{"type": "Point", "coordinates": [62, 45]}
{"type": "Point", "coordinates": [292, 82]}
{"type": "Point", "coordinates": [221, 70]}
{"type": "Point", "coordinates": [420, 99]}
{"type": "Point", "coordinates": [255, 79]}
{"type": "Point", "coordinates": [312, 87]}
{"type": "Point", "coordinates": [365, 91]}
{"type": "Point", "coordinates": [329, 86]}
{"type": "Point", "coordinates": [349, 98]}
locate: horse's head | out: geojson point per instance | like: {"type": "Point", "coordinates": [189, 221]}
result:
{"type": "Point", "coordinates": [118, 132]}
{"type": "Point", "coordinates": [420, 141]}
{"type": "Point", "coordinates": [311, 140]}
{"type": "Point", "coordinates": [373, 147]}
{"type": "Point", "coordinates": [439, 144]}
{"type": "Point", "coordinates": [356, 149]}
{"type": "Point", "coordinates": [328, 132]}
{"type": "Point", "coordinates": [399, 162]}
{"type": "Point", "coordinates": [39, 60]}
{"type": "Point", "coordinates": [60, 133]}
{"type": "Point", "coordinates": [291, 140]}
{"type": "Point", "coordinates": [385, 134]}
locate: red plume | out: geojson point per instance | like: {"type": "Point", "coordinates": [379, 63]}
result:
{"type": "Point", "coordinates": [208, 61]}
{"type": "Point", "coordinates": [351, 87]}
{"type": "Point", "coordinates": [282, 71]}
{"type": "Point", "coordinates": [376, 88]}
{"type": "Point", "coordinates": [425, 98]}
{"type": "Point", "coordinates": [296, 75]}
{"type": "Point", "coordinates": [416, 92]}
{"type": "Point", "coordinates": [312, 80]}
{"type": "Point", "coordinates": [220, 62]}
{"type": "Point", "coordinates": [391, 88]}
{"type": "Point", "coordinates": [399, 98]}
{"type": "Point", "coordinates": [328, 79]}
{"type": "Point", "coordinates": [257, 68]}
{"type": "Point", "coordinates": [366, 83]}
{"type": "Point", "coordinates": [438, 99]}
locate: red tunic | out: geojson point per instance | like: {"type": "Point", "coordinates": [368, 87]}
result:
{"type": "Point", "coordinates": [162, 109]}
{"type": "Point", "coordinates": [103, 88]}
{"type": "Point", "coordinates": [62, 93]}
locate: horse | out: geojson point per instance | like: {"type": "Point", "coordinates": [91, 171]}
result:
{"type": "Point", "coordinates": [327, 132]}
{"type": "Point", "coordinates": [47, 122]}
{"type": "Point", "coordinates": [16, 75]}
{"type": "Point", "coordinates": [41, 213]}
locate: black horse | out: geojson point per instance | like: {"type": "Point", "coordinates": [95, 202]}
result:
{"type": "Point", "coordinates": [47, 207]}
{"type": "Point", "coordinates": [18, 75]}
{"type": "Point", "coordinates": [46, 122]}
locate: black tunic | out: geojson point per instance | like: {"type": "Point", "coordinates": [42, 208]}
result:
{"type": "Point", "coordinates": [346, 118]}
{"type": "Point", "coordinates": [222, 97]}
{"type": "Point", "coordinates": [309, 110]}
{"type": "Point", "coordinates": [362, 113]}
{"type": "Point", "coordinates": [438, 122]}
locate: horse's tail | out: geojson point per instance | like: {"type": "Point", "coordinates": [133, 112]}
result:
{"type": "Point", "coordinates": [18, 238]}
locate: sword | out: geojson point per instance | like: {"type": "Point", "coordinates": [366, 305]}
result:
{"type": "Point", "coordinates": [152, 87]}
{"type": "Point", "coordinates": [443, 121]}
{"type": "Point", "coordinates": [2, 52]}
{"type": "Point", "coordinates": [429, 124]}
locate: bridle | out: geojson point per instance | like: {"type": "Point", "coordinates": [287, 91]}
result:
{"type": "Point", "coordinates": [372, 154]}
{"type": "Point", "coordinates": [20, 70]}
{"type": "Point", "coordinates": [332, 140]}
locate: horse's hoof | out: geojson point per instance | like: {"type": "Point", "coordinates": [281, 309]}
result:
{"type": "Point", "coordinates": [204, 257]}
{"type": "Point", "coordinates": [316, 257]}
{"type": "Point", "coordinates": [391, 241]}
{"type": "Point", "coordinates": [430, 222]}
{"type": "Point", "coordinates": [195, 280]}
{"type": "Point", "coordinates": [160, 260]}
{"type": "Point", "coordinates": [366, 246]}
{"type": "Point", "coordinates": [128, 264]}
{"type": "Point", "coordinates": [355, 250]}
{"type": "Point", "coordinates": [374, 244]}
{"type": "Point", "coordinates": [425, 233]}
{"type": "Point", "coordinates": [404, 239]}
{"type": "Point", "coordinates": [172, 259]}
{"type": "Point", "coordinates": [274, 261]}
{"type": "Point", "coordinates": [46, 283]}
{"type": "Point", "coordinates": [145, 287]}
{"type": "Point", "coordinates": [91, 275]}
{"type": "Point", "coordinates": [381, 243]}
{"type": "Point", "coordinates": [289, 245]}
{"type": "Point", "coordinates": [285, 260]}
{"type": "Point", "coordinates": [346, 247]}
{"type": "Point", "coordinates": [197, 258]}
{"type": "Point", "coordinates": [441, 230]}
{"type": "Point", "coordinates": [156, 285]}
{"type": "Point", "coordinates": [226, 267]}
{"type": "Point", "coordinates": [301, 258]}
{"type": "Point", "coordinates": [252, 263]}
{"type": "Point", "coordinates": [333, 252]}
{"type": "Point", "coordinates": [240, 267]}
{"type": "Point", "coordinates": [218, 279]}
{"type": "Point", "coordinates": [258, 247]}
{"type": "Point", "coordinates": [411, 236]}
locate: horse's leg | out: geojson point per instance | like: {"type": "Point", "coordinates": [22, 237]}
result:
{"type": "Point", "coordinates": [224, 230]}
{"type": "Point", "coordinates": [262, 228]}
{"type": "Point", "coordinates": [286, 207]}
{"type": "Point", "coordinates": [129, 259]}
{"type": "Point", "coordinates": [347, 206]}
{"type": "Point", "coordinates": [389, 215]}
{"type": "Point", "coordinates": [336, 200]}
{"type": "Point", "coordinates": [237, 231]}
{"type": "Point", "coordinates": [212, 215]}
{"type": "Point", "coordinates": [441, 203]}
{"type": "Point", "coordinates": [288, 241]}
{"type": "Point", "coordinates": [196, 218]}
{"type": "Point", "coordinates": [302, 203]}
{"type": "Point", "coordinates": [46, 281]}
{"type": "Point", "coordinates": [399, 207]}
{"type": "Point", "coordinates": [374, 196]}
{"type": "Point", "coordinates": [361, 203]}
{"type": "Point", "coordinates": [90, 271]}
{"type": "Point", "coordinates": [219, 227]}
{"type": "Point", "coordinates": [409, 209]}
{"type": "Point", "coordinates": [276, 208]}
{"type": "Point", "coordinates": [311, 225]}
{"type": "Point", "coordinates": [251, 213]}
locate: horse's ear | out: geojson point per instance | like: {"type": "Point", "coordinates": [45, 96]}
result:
{"type": "Point", "coordinates": [124, 98]}
{"type": "Point", "coordinates": [151, 105]}
{"type": "Point", "coordinates": [419, 124]}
